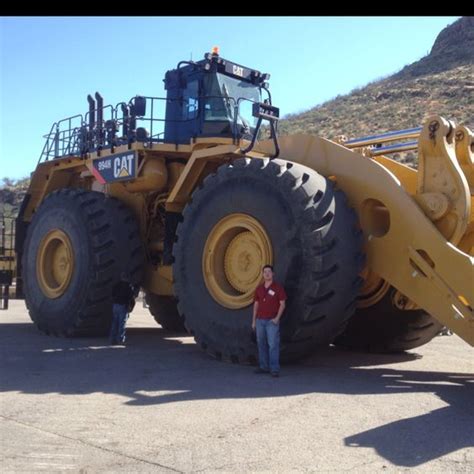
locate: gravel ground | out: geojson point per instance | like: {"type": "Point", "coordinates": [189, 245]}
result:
{"type": "Point", "coordinates": [161, 404]}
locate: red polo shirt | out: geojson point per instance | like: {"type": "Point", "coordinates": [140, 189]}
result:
{"type": "Point", "coordinates": [269, 300]}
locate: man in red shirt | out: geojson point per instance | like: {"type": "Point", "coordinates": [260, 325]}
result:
{"type": "Point", "coordinates": [269, 304]}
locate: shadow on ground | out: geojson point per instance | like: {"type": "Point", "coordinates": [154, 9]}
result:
{"type": "Point", "coordinates": [157, 361]}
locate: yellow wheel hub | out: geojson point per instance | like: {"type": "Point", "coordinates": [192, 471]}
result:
{"type": "Point", "coordinates": [242, 261]}
{"type": "Point", "coordinates": [373, 289]}
{"type": "Point", "coordinates": [235, 251]}
{"type": "Point", "coordinates": [55, 263]}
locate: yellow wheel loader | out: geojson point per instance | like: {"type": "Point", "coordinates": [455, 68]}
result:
{"type": "Point", "coordinates": [187, 196]}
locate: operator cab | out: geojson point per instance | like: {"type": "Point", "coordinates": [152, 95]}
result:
{"type": "Point", "coordinates": [208, 98]}
{"type": "Point", "coordinates": [213, 98]}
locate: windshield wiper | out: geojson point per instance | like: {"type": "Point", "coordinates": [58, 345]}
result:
{"type": "Point", "coordinates": [227, 100]}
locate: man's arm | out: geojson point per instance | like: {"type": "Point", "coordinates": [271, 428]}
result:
{"type": "Point", "coordinates": [254, 319]}
{"type": "Point", "coordinates": [276, 319]}
{"type": "Point", "coordinates": [131, 298]}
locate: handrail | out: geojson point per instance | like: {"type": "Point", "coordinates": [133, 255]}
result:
{"type": "Point", "coordinates": [73, 135]}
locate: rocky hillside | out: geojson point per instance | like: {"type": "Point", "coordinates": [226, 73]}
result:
{"type": "Point", "coordinates": [453, 47]}
{"type": "Point", "coordinates": [11, 196]}
{"type": "Point", "coordinates": [442, 83]}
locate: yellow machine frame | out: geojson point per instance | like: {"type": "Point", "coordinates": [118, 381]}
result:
{"type": "Point", "coordinates": [418, 224]}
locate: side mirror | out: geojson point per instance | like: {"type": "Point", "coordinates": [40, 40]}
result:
{"type": "Point", "coordinates": [140, 106]}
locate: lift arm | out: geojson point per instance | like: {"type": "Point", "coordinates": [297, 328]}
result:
{"type": "Point", "coordinates": [408, 244]}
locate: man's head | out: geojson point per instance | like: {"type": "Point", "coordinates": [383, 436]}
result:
{"type": "Point", "coordinates": [267, 273]}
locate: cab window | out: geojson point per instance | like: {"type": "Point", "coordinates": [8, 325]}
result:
{"type": "Point", "coordinates": [191, 100]}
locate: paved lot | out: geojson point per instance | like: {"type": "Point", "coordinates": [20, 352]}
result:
{"type": "Point", "coordinates": [160, 404]}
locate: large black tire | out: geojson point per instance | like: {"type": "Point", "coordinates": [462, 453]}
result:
{"type": "Point", "coordinates": [165, 311]}
{"type": "Point", "coordinates": [384, 328]}
{"type": "Point", "coordinates": [316, 247]}
{"type": "Point", "coordinates": [105, 241]}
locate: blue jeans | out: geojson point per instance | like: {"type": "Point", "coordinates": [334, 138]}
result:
{"type": "Point", "coordinates": [268, 341]}
{"type": "Point", "coordinates": [118, 329]}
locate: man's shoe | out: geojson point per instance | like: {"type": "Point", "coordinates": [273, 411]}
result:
{"type": "Point", "coordinates": [261, 371]}
{"type": "Point", "coordinates": [275, 374]}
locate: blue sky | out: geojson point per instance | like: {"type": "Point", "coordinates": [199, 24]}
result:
{"type": "Point", "coordinates": [49, 65]}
